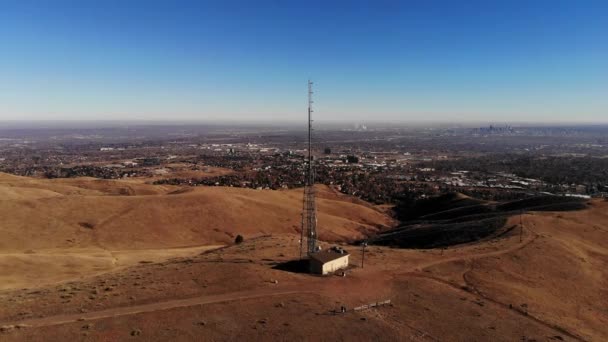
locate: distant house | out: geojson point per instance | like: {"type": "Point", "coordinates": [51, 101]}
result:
{"type": "Point", "coordinates": [329, 261]}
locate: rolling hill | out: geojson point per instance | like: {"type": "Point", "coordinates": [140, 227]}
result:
{"type": "Point", "coordinates": [454, 218]}
{"type": "Point", "coordinates": [83, 222]}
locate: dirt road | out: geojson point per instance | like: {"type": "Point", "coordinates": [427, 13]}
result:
{"type": "Point", "coordinates": [131, 310]}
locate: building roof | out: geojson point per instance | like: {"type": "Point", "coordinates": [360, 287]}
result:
{"type": "Point", "coordinates": [327, 256]}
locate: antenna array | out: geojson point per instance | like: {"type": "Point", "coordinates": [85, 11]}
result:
{"type": "Point", "coordinates": [309, 211]}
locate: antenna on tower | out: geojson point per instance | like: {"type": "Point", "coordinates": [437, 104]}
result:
{"type": "Point", "coordinates": [309, 210]}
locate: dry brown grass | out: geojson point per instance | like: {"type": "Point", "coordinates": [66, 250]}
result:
{"type": "Point", "coordinates": [77, 222]}
{"type": "Point", "coordinates": [549, 287]}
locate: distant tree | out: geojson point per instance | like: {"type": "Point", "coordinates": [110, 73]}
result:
{"type": "Point", "coordinates": [239, 239]}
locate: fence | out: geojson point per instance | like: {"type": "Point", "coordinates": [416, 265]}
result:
{"type": "Point", "coordinates": [372, 305]}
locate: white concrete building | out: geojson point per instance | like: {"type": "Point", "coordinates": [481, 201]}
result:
{"type": "Point", "coordinates": [329, 261]}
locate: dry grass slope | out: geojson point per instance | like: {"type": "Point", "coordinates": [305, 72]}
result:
{"type": "Point", "coordinates": [77, 222]}
{"type": "Point", "coordinates": [40, 214]}
{"type": "Point", "coordinates": [551, 286]}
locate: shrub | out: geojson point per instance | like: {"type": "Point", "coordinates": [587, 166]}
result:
{"type": "Point", "coordinates": [239, 239]}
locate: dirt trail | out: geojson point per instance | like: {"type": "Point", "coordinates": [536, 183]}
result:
{"type": "Point", "coordinates": [415, 271]}
{"type": "Point", "coordinates": [470, 288]}
{"type": "Point", "coordinates": [511, 249]}
{"type": "Point", "coordinates": [122, 311]}
{"type": "Point", "coordinates": [131, 310]}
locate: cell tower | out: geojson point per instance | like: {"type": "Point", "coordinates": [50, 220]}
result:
{"type": "Point", "coordinates": [309, 210]}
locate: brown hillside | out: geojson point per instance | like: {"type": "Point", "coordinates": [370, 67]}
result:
{"type": "Point", "coordinates": [89, 212]}
{"type": "Point", "coordinates": [61, 229]}
{"type": "Point", "coordinates": [550, 286]}
{"type": "Point", "coordinates": [76, 227]}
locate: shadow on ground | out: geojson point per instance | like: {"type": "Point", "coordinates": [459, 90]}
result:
{"type": "Point", "coordinates": [294, 266]}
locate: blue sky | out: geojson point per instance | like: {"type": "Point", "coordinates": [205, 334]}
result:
{"type": "Point", "coordinates": [489, 61]}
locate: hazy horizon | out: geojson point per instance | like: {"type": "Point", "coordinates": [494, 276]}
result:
{"type": "Point", "coordinates": [405, 62]}
{"type": "Point", "coordinates": [288, 124]}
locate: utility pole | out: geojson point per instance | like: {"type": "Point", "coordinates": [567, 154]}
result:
{"type": "Point", "coordinates": [309, 210]}
{"type": "Point", "coordinates": [363, 245]}
{"type": "Point", "coordinates": [521, 226]}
